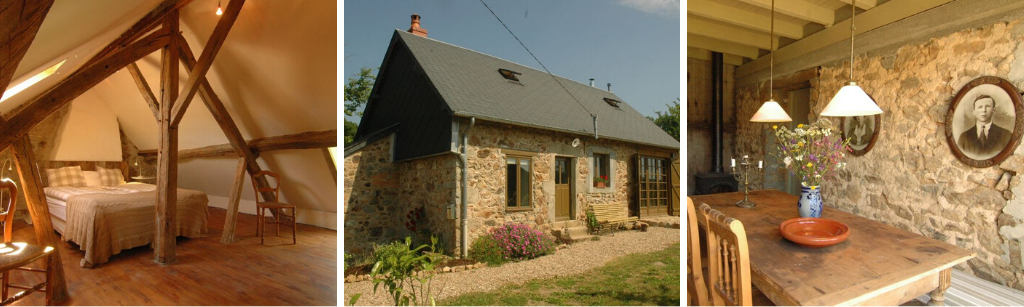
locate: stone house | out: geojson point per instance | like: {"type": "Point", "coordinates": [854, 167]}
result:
{"type": "Point", "coordinates": [454, 142]}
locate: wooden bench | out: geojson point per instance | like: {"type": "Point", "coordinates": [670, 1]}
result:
{"type": "Point", "coordinates": [967, 290]}
{"type": "Point", "coordinates": [610, 216]}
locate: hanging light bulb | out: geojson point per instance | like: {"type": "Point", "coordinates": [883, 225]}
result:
{"type": "Point", "coordinates": [219, 11]}
{"type": "Point", "coordinates": [851, 100]}
{"type": "Point", "coordinates": [770, 110]}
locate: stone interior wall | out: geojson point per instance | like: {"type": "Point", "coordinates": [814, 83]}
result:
{"type": "Point", "coordinates": [371, 197]}
{"type": "Point", "coordinates": [487, 175]}
{"type": "Point", "coordinates": [911, 179]}
{"type": "Point", "coordinates": [698, 118]}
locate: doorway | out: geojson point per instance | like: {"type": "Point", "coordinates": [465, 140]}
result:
{"type": "Point", "coordinates": [563, 197]}
{"type": "Point", "coordinates": [653, 185]}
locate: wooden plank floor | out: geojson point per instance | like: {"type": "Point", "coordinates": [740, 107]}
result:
{"type": "Point", "coordinates": [207, 272]}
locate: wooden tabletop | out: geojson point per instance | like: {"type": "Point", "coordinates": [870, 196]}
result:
{"type": "Point", "coordinates": [877, 264]}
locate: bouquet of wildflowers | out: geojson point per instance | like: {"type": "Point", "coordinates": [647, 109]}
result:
{"type": "Point", "coordinates": [812, 152]}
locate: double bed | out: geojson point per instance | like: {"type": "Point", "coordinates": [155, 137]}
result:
{"type": "Point", "coordinates": [106, 217]}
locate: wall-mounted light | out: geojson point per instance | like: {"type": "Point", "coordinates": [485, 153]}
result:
{"type": "Point", "coordinates": [219, 11]}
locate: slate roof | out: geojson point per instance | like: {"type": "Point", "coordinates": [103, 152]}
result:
{"type": "Point", "coordinates": [469, 82]}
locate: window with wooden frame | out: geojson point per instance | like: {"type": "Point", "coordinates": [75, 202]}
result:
{"type": "Point", "coordinates": [653, 183]}
{"type": "Point", "coordinates": [602, 168]}
{"type": "Point", "coordinates": [517, 182]}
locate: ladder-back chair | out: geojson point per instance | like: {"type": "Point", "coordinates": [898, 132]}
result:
{"type": "Point", "coordinates": [274, 205]}
{"type": "Point", "coordinates": [16, 255]}
{"type": "Point", "coordinates": [729, 259]}
{"type": "Point", "coordinates": [695, 286]}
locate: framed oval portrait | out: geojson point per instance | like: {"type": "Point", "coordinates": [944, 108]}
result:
{"type": "Point", "coordinates": [862, 131]}
{"type": "Point", "coordinates": [983, 124]}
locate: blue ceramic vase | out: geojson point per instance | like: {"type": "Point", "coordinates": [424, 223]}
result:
{"type": "Point", "coordinates": [810, 201]}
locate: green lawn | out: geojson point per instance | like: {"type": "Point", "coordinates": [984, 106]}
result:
{"type": "Point", "coordinates": [640, 279]}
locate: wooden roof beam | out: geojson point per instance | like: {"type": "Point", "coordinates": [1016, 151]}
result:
{"type": "Point", "coordinates": [750, 20]}
{"type": "Point", "coordinates": [140, 28]}
{"type": "Point", "coordinates": [729, 33]}
{"type": "Point", "coordinates": [304, 140]}
{"type": "Point", "coordinates": [708, 43]}
{"type": "Point", "coordinates": [147, 93]}
{"type": "Point", "coordinates": [704, 54]}
{"type": "Point", "coordinates": [198, 72]}
{"type": "Point", "coordinates": [164, 242]}
{"type": "Point", "coordinates": [863, 4]}
{"type": "Point", "coordinates": [799, 9]}
{"type": "Point", "coordinates": [19, 23]}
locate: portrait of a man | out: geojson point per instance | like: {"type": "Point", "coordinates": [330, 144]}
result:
{"type": "Point", "coordinates": [984, 121]}
{"type": "Point", "coordinates": [984, 138]}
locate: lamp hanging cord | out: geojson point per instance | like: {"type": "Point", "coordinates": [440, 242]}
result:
{"type": "Point", "coordinates": [853, 13]}
{"type": "Point", "coordinates": [771, 57]}
{"type": "Point", "coordinates": [538, 60]}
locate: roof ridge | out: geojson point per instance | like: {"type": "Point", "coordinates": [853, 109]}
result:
{"type": "Point", "coordinates": [481, 53]}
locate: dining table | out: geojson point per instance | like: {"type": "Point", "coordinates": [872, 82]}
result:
{"type": "Point", "coordinates": [877, 264]}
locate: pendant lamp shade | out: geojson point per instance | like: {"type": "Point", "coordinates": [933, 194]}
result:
{"type": "Point", "coordinates": [851, 100]}
{"type": "Point", "coordinates": [770, 112]}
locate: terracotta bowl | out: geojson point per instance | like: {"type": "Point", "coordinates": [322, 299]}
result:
{"type": "Point", "coordinates": [814, 232]}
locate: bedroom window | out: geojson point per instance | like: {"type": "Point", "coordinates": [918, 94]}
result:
{"type": "Point", "coordinates": [14, 90]}
{"type": "Point", "coordinates": [517, 178]}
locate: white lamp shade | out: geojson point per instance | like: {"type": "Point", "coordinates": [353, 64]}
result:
{"type": "Point", "coordinates": [851, 100]}
{"type": "Point", "coordinates": [770, 112]}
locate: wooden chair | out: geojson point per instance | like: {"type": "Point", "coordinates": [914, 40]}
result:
{"type": "Point", "coordinates": [15, 255]}
{"type": "Point", "coordinates": [696, 288]}
{"type": "Point", "coordinates": [729, 275]}
{"type": "Point", "coordinates": [275, 206]}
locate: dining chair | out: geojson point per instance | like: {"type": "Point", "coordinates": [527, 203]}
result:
{"type": "Point", "coordinates": [16, 255]}
{"type": "Point", "coordinates": [729, 257]}
{"type": "Point", "coordinates": [696, 287]}
{"type": "Point", "coordinates": [275, 206]}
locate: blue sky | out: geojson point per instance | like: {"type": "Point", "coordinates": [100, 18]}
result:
{"type": "Point", "coordinates": [633, 44]}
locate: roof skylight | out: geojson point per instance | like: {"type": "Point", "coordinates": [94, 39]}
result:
{"type": "Point", "coordinates": [14, 90]}
{"type": "Point", "coordinates": [612, 102]}
{"type": "Point", "coordinates": [508, 74]}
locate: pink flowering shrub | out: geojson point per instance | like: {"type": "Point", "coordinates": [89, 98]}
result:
{"type": "Point", "coordinates": [520, 242]}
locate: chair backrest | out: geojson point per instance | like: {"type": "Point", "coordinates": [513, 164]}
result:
{"type": "Point", "coordinates": [8, 208]}
{"type": "Point", "coordinates": [276, 184]}
{"type": "Point", "coordinates": [729, 259]}
{"type": "Point", "coordinates": [694, 267]}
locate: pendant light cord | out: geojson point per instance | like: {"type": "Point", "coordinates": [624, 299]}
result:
{"type": "Point", "coordinates": [853, 12]}
{"type": "Point", "coordinates": [771, 57]}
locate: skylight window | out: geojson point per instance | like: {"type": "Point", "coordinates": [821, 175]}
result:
{"type": "Point", "coordinates": [14, 90]}
{"type": "Point", "coordinates": [509, 75]}
{"type": "Point", "coordinates": [612, 102]}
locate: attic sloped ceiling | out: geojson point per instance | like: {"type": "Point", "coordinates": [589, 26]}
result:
{"type": "Point", "coordinates": [275, 75]}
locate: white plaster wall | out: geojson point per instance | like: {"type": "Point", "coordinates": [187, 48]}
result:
{"type": "Point", "coordinates": [88, 133]}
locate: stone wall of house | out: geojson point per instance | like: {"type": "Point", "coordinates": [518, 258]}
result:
{"type": "Point", "coordinates": [698, 118]}
{"type": "Point", "coordinates": [488, 144]}
{"type": "Point", "coordinates": [427, 186]}
{"type": "Point", "coordinates": [371, 197]}
{"type": "Point", "coordinates": [911, 179]}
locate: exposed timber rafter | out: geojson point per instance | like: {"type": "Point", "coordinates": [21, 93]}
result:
{"type": "Point", "coordinates": [799, 9]}
{"type": "Point", "coordinates": [147, 93]}
{"type": "Point", "coordinates": [19, 23]}
{"type": "Point", "coordinates": [198, 72]}
{"type": "Point", "coordinates": [305, 140]}
{"type": "Point", "coordinates": [750, 20]}
{"type": "Point", "coordinates": [714, 44]}
{"type": "Point", "coordinates": [730, 33]}
{"type": "Point", "coordinates": [140, 28]}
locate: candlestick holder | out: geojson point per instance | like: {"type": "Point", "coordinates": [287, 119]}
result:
{"type": "Point", "coordinates": [747, 169]}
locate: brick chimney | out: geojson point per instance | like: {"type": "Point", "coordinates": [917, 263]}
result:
{"type": "Point", "coordinates": [415, 27]}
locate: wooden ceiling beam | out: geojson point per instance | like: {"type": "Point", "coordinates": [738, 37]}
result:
{"type": "Point", "coordinates": [164, 242]}
{"type": "Point", "coordinates": [304, 140]}
{"type": "Point", "coordinates": [19, 23]}
{"type": "Point", "coordinates": [730, 33]}
{"type": "Point", "coordinates": [140, 28]}
{"type": "Point", "coordinates": [750, 20]}
{"type": "Point", "coordinates": [147, 93]}
{"type": "Point", "coordinates": [704, 54]}
{"type": "Point", "coordinates": [713, 44]}
{"type": "Point", "coordinates": [863, 4]}
{"type": "Point", "coordinates": [799, 9]}
{"type": "Point", "coordinates": [198, 72]}
{"type": "Point", "coordinates": [38, 108]}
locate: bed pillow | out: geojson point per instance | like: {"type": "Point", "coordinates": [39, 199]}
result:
{"type": "Point", "coordinates": [92, 178]}
{"type": "Point", "coordinates": [110, 177]}
{"type": "Point", "coordinates": [70, 176]}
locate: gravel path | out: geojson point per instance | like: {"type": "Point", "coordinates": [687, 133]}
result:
{"type": "Point", "coordinates": [575, 259]}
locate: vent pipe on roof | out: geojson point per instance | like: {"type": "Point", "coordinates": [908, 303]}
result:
{"type": "Point", "coordinates": [609, 87]}
{"type": "Point", "coordinates": [414, 27]}
{"type": "Point", "coordinates": [591, 82]}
